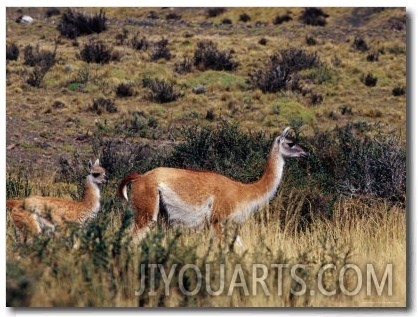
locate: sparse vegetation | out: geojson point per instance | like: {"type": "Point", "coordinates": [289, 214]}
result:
{"type": "Point", "coordinates": [73, 24]}
{"type": "Point", "coordinates": [207, 56]}
{"type": "Point", "coordinates": [103, 105]}
{"type": "Point", "coordinates": [345, 203]}
{"type": "Point", "coordinates": [279, 19]}
{"type": "Point", "coordinates": [370, 80]}
{"type": "Point", "coordinates": [124, 90]}
{"type": "Point", "coordinates": [160, 90]}
{"type": "Point", "coordinates": [12, 52]}
{"type": "Point", "coordinates": [314, 16]}
{"type": "Point", "coordinates": [160, 50]}
{"type": "Point", "coordinates": [244, 17]}
{"type": "Point", "coordinates": [214, 12]}
{"type": "Point", "coordinates": [97, 52]}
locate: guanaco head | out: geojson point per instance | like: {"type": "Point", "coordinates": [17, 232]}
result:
{"type": "Point", "coordinates": [97, 173]}
{"type": "Point", "coordinates": [287, 147]}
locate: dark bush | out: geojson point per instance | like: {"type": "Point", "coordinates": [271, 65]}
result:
{"type": "Point", "coordinates": [36, 76]}
{"type": "Point", "coordinates": [139, 44]}
{"type": "Point", "coordinates": [207, 56]}
{"type": "Point", "coordinates": [122, 38]}
{"type": "Point", "coordinates": [314, 16]}
{"type": "Point", "coordinates": [51, 12]}
{"type": "Point", "coordinates": [210, 115]}
{"type": "Point", "coordinates": [96, 52]}
{"type": "Point", "coordinates": [224, 149]}
{"type": "Point", "coordinates": [74, 24]}
{"type": "Point", "coordinates": [173, 16]}
{"type": "Point", "coordinates": [316, 98]}
{"type": "Point", "coordinates": [226, 21]}
{"type": "Point", "coordinates": [124, 90]}
{"type": "Point", "coordinates": [398, 91]}
{"type": "Point", "coordinates": [244, 17]}
{"type": "Point", "coordinates": [370, 80]}
{"type": "Point", "coordinates": [262, 41]}
{"type": "Point", "coordinates": [271, 79]}
{"type": "Point", "coordinates": [280, 71]}
{"type": "Point", "coordinates": [360, 44]}
{"type": "Point", "coordinates": [12, 52]}
{"type": "Point", "coordinates": [310, 40]}
{"type": "Point", "coordinates": [102, 105]}
{"type": "Point", "coordinates": [184, 66]}
{"type": "Point", "coordinates": [373, 57]}
{"type": "Point", "coordinates": [279, 19]}
{"type": "Point", "coordinates": [214, 12]}
{"type": "Point", "coordinates": [42, 62]}
{"type": "Point", "coordinates": [161, 91]}
{"type": "Point", "coordinates": [36, 57]}
{"type": "Point", "coordinates": [153, 15]}
{"type": "Point", "coordinates": [160, 50]}
{"type": "Point", "coordinates": [297, 59]}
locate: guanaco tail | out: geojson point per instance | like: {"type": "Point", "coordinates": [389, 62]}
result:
{"type": "Point", "coordinates": [35, 214]}
{"type": "Point", "coordinates": [194, 198]}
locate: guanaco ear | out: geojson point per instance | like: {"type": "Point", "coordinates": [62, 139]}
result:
{"type": "Point", "coordinates": [90, 165]}
{"type": "Point", "coordinates": [284, 134]}
{"type": "Point", "coordinates": [97, 163]}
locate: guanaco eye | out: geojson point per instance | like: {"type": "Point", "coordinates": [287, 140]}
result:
{"type": "Point", "coordinates": [95, 175]}
{"type": "Point", "coordinates": [291, 144]}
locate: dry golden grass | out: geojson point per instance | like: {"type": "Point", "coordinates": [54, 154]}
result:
{"type": "Point", "coordinates": [360, 232]}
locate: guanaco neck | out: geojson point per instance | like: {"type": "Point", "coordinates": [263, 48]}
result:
{"type": "Point", "coordinates": [91, 199]}
{"type": "Point", "coordinates": [267, 185]}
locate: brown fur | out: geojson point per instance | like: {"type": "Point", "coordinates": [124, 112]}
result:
{"type": "Point", "coordinates": [33, 214]}
{"type": "Point", "coordinates": [223, 196]}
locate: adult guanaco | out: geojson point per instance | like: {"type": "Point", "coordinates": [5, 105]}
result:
{"type": "Point", "coordinates": [35, 214]}
{"type": "Point", "coordinates": [192, 198]}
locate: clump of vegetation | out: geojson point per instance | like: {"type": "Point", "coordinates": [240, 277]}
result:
{"type": "Point", "coordinates": [42, 61]}
{"type": "Point", "coordinates": [103, 105]}
{"type": "Point", "coordinates": [399, 91]}
{"type": "Point", "coordinates": [271, 79]}
{"type": "Point", "coordinates": [124, 90]}
{"type": "Point", "coordinates": [314, 16]}
{"type": "Point", "coordinates": [262, 41]}
{"type": "Point", "coordinates": [73, 24]}
{"type": "Point", "coordinates": [279, 19]}
{"type": "Point", "coordinates": [160, 90]}
{"type": "Point", "coordinates": [310, 40]}
{"type": "Point", "coordinates": [373, 57]}
{"type": "Point", "coordinates": [160, 50]}
{"type": "Point", "coordinates": [280, 71]}
{"type": "Point", "coordinates": [97, 52]}
{"type": "Point", "coordinates": [12, 52]}
{"type": "Point", "coordinates": [225, 149]}
{"type": "Point", "coordinates": [244, 17]}
{"type": "Point", "coordinates": [173, 16]}
{"type": "Point", "coordinates": [226, 21]}
{"type": "Point", "coordinates": [153, 15]}
{"type": "Point", "coordinates": [370, 80]}
{"type": "Point", "coordinates": [51, 12]}
{"type": "Point", "coordinates": [139, 44]}
{"type": "Point", "coordinates": [214, 12]}
{"type": "Point", "coordinates": [184, 66]}
{"type": "Point", "coordinates": [360, 44]}
{"type": "Point", "coordinates": [36, 57]}
{"type": "Point", "coordinates": [207, 56]}
{"type": "Point", "coordinates": [297, 59]}
{"type": "Point", "coordinates": [316, 99]}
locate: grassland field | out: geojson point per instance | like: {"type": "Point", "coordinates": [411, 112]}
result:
{"type": "Point", "coordinates": [57, 124]}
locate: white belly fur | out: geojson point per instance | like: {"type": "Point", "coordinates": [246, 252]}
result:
{"type": "Point", "coordinates": [182, 213]}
